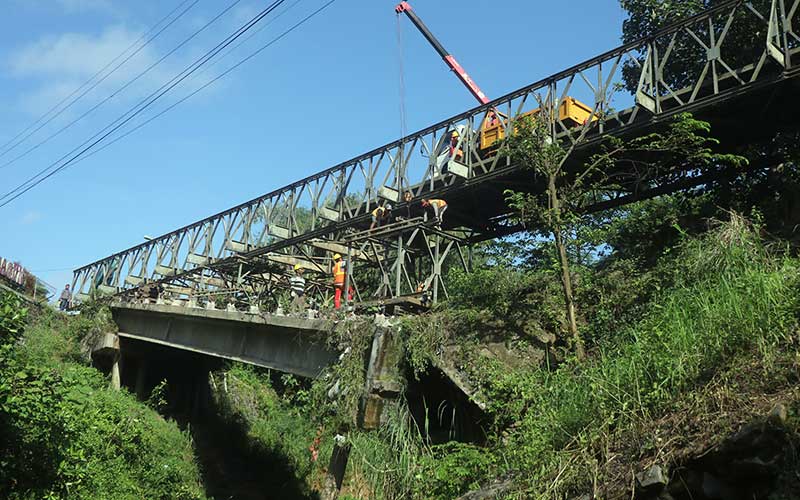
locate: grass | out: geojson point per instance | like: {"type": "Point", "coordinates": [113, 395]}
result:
{"type": "Point", "coordinates": [731, 296]}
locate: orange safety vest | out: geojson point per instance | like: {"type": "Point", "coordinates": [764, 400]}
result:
{"type": "Point", "coordinates": [438, 203]}
{"type": "Point", "coordinates": [338, 273]}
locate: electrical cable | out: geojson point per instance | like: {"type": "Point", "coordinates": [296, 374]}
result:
{"type": "Point", "coordinates": [190, 37]}
{"type": "Point", "coordinates": [97, 74]}
{"type": "Point", "coordinates": [122, 120]}
{"type": "Point", "coordinates": [121, 89]}
{"type": "Point", "coordinates": [207, 84]}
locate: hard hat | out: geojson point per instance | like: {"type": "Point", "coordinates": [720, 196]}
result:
{"type": "Point", "coordinates": [388, 206]}
{"type": "Point", "coordinates": [336, 256]}
{"type": "Point", "coordinates": [454, 134]}
{"type": "Point", "coordinates": [297, 267]}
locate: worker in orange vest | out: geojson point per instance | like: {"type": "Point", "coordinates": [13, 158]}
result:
{"type": "Point", "coordinates": [439, 207]}
{"type": "Point", "coordinates": [339, 272]}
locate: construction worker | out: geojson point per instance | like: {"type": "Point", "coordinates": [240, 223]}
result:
{"type": "Point", "coordinates": [439, 207]}
{"type": "Point", "coordinates": [380, 216]}
{"type": "Point", "coordinates": [64, 299]}
{"type": "Point", "coordinates": [339, 272]}
{"type": "Point", "coordinates": [407, 198]}
{"type": "Point", "coordinates": [298, 286]}
{"type": "Point", "coordinates": [456, 153]}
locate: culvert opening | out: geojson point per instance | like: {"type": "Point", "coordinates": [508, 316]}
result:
{"type": "Point", "coordinates": [442, 411]}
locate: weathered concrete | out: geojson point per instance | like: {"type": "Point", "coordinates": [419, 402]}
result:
{"type": "Point", "coordinates": [383, 380]}
{"type": "Point", "coordinates": [288, 344]}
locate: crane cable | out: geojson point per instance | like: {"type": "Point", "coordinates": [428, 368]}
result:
{"type": "Point", "coordinates": [102, 70]}
{"type": "Point", "coordinates": [133, 112]}
{"type": "Point", "coordinates": [403, 128]}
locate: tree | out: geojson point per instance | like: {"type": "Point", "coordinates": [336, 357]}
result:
{"type": "Point", "coordinates": [683, 150]}
{"type": "Point", "coordinates": [683, 64]}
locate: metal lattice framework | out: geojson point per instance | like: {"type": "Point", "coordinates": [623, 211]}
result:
{"type": "Point", "coordinates": [733, 49]}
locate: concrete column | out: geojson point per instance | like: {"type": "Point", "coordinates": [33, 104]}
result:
{"type": "Point", "coordinates": [116, 372]}
{"type": "Point", "coordinates": [383, 384]}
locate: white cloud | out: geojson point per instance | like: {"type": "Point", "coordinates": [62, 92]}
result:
{"type": "Point", "coordinates": [30, 217]}
{"type": "Point", "coordinates": [72, 54]}
{"type": "Point", "coordinates": [57, 65]}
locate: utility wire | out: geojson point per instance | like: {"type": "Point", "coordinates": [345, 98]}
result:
{"type": "Point", "coordinates": [121, 89]}
{"type": "Point", "coordinates": [207, 84]}
{"type": "Point", "coordinates": [249, 37]}
{"type": "Point", "coordinates": [146, 70]}
{"type": "Point", "coordinates": [87, 82]}
{"type": "Point", "coordinates": [122, 120]}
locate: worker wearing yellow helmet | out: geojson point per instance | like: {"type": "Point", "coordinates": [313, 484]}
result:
{"type": "Point", "coordinates": [339, 272]}
{"type": "Point", "coordinates": [456, 152]}
{"type": "Point", "coordinates": [381, 216]}
{"type": "Point", "coordinates": [298, 290]}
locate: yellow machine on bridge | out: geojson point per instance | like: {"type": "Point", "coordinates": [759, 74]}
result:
{"type": "Point", "coordinates": [571, 112]}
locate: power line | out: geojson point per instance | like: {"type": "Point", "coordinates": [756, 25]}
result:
{"type": "Point", "coordinates": [209, 83]}
{"type": "Point", "coordinates": [122, 120]}
{"type": "Point", "coordinates": [121, 89]}
{"type": "Point", "coordinates": [146, 70]}
{"type": "Point", "coordinates": [98, 82]}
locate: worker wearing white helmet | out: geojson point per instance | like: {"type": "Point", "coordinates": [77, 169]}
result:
{"type": "Point", "coordinates": [298, 287]}
{"type": "Point", "coordinates": [380, 216]}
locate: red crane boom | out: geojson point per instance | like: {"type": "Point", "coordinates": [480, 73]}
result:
{"type": "Point", "coordinates": [405, 8]}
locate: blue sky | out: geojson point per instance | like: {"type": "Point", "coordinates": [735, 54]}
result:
{"type": "Point", "coordinates": [327, 92]}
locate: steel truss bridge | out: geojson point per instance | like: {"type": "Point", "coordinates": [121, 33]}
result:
{"type": "Point", "coordinates": [735, 65]}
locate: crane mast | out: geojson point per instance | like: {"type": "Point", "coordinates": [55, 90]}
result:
{"type": "Point", "coordinates": [449, 59]}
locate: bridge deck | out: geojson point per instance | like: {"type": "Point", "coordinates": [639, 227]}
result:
{"type": "Point", "coordinates": [293, 345]}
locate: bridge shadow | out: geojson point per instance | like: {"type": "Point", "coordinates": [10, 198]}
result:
{"type": "Point", "coordinates": [233, 466]}
{"type": "Point", "coordinates": [236, 468]}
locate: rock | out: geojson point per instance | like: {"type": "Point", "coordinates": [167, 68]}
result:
{"type": "Point", "coordinates": [493, 490]}
{"type": "Point", "coordinates": [652, 481]}
{"type": "Point", "coordinates": [778, 415]}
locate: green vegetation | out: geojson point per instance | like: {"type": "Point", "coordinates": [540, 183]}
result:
{"type": "Point", "coordinates": [714, 296]}
{"type": "Point", "coordinates": [64, 434]}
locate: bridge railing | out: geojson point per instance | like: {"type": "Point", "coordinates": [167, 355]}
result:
{"type": "Point", "coordinates": [725, 49]}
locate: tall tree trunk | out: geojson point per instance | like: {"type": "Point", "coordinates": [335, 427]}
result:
{"type": "Point", "coordinates": [566, 277]}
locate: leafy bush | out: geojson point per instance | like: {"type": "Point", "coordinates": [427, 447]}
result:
{"type": "Point", "coordinates": [66, 435]}
{"type": "Point", "coordinates": [452, 469]}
